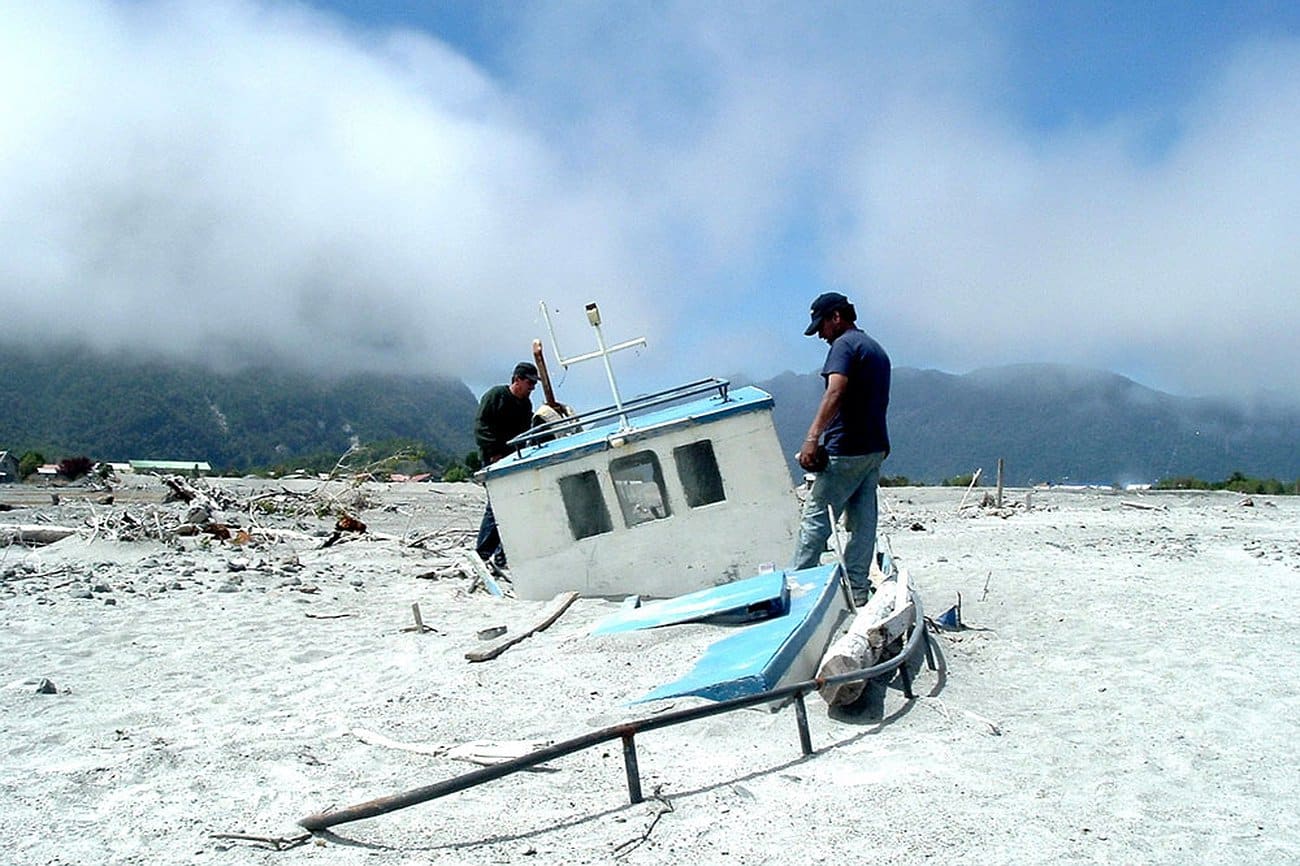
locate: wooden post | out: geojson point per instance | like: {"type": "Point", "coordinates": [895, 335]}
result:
{"type": "Point", "coordinates": [999, 499]}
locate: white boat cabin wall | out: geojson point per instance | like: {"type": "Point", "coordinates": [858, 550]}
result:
{"type": "Point", "coordinates": [658, 497]}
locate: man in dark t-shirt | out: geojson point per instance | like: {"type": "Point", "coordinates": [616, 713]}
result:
{"type": "Point", "coordinates": [504, 412]}
{"type": "Point", "coordinates": [850, 424]}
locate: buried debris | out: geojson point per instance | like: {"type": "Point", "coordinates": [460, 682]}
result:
{"type": "Point", "coordinates": [626, 731]}
{"type": "Point", "coordinates": [949, 620]}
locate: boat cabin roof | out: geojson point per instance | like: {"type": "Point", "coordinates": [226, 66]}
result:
{"type": "Point", "coordinates": [647, 417]}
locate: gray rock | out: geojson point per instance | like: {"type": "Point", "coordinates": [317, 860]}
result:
{"type": "Point", "coordinates": [81, 593]}
{"type": "Point", "coordinates": [46, 687]}
{"type": "Point", "coordinates": [228, 587]}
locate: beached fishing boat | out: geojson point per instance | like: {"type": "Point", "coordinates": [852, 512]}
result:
{"type": "Point", "coordinates": [657, 496]}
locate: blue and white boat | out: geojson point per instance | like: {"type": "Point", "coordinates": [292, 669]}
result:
{"type": "Point", "coordinates": [666, 494]}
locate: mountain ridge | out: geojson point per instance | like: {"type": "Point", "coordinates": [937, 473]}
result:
{"type": "Point", "coordinates": [1057, 423]}
{"type": "Point", "coordinates": [116, 406]}
{"type": "Point", "coordinates": [1049, 422]}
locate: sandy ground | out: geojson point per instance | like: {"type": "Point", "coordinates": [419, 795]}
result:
{"type": "Point", "coordinates": [1123, 695]}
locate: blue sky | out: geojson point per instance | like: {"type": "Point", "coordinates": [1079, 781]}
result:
{"type": "Point", "coordinates": [396, 185]}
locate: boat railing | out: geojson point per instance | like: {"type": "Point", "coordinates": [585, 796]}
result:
{"type": "Point", "coordinates": [918, 642]}
{"type": "Point", "coordinates": [637, 405]}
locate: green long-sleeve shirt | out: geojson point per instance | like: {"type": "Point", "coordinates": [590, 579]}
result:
{"type": "Point", "coordinates": [501, 417]}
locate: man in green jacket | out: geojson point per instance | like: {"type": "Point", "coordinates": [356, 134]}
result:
{"type": "Point", "coordinates": [504, 412]}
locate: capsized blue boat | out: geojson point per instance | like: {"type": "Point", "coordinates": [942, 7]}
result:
{"type": "Point", "coordinates": [773, 652]}
{"type": "Point", "coordinates": [758, 597]}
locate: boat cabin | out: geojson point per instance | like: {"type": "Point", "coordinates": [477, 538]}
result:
{"type": "Point", "coordinates": [666, 494]}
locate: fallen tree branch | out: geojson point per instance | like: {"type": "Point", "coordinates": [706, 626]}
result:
{"type": "Point", "coordinates": [32, 533]}
{"type": "Point", "coordinates": [277, 843]}
{"type": "Point", "coordinates": [373, 739]}
{"type": "Point", "coordinates": [631, 845]}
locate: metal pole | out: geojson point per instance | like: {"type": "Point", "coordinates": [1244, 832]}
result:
{"type": "Point", "coordinates": [801, 716]}
{"type": "Point", "coordinates": [609, 372]}
{"type": "Point", "coordinates": [633, 772]}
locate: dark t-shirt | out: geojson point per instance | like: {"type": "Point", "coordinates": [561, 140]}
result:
{"type": "Point", "coordinates": [501, 417]}
{"type": "Point", "coordinates": [859, 427]}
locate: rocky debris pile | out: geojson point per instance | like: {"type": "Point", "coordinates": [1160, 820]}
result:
{"type": "Point", "coordinates": [225, 536]}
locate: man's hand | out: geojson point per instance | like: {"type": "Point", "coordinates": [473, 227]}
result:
{"type": "Point", "coordinates": [807, 456]}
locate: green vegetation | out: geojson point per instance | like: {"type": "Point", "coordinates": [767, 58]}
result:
{"type": "Point", "coordinates": [29, 463]}
{"type": "Point", "coordinates": [270, 420]}
{"type": "Point", "coordinates": [959, 480]}
{"type": "Point", "coordinates": [899, 481]}
{"type": "Point", "coordinates": [1237, 482]}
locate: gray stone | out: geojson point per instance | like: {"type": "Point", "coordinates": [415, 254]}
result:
{"type": "Point", "coordinates": [81, 593]}
{"type": "Point", "coordinates": [46, 687]}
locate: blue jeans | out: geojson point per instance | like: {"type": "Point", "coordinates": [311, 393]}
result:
{"type": "Point", "coordinates": [489, 539]}
{"type": "Point", "coordinates": [848, 486]}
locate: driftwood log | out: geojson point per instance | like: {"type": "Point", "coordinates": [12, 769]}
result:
{"type": "Point", "coordinates": [558, 606]}
{"type": "Point", "coordinates": [33, 533]}
{"type": "Point", "coordinates": [878, 624]}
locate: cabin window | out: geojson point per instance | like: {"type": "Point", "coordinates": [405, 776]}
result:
{"type": "Point", "coordinates": [698, 470]}
{"type": "Point", "coordinates": [639, 483]}
{"type": "Point", "coordinates": [585, 505]}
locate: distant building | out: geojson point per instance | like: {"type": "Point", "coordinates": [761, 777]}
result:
{"type": "Point", "coordinates": [196, 466]}
{"type": "Point", "coordinates": [8, 468]}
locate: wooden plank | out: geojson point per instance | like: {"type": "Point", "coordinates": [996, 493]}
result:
{"type": "Point", "coordinates": [558, 606]}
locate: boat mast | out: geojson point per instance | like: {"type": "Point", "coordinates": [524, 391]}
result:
{"type": "Point", "coordinates": [603, 352]}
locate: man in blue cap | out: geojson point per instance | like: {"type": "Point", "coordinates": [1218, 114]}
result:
{"type": "Point", "coordinates": [850, 427]}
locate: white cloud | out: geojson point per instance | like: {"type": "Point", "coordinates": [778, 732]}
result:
{"type": "Point", "coordinates": [992, 246]}
{"type": "Point", "coordinates": [235, 176]}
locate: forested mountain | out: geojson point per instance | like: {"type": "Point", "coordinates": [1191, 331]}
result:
{"type": "Point", "coordinates": [1049, 423]}
{"type": "Point", "coordinates": [1058, 424]}
{"type": "Point", "coordinates": [117, 407]}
